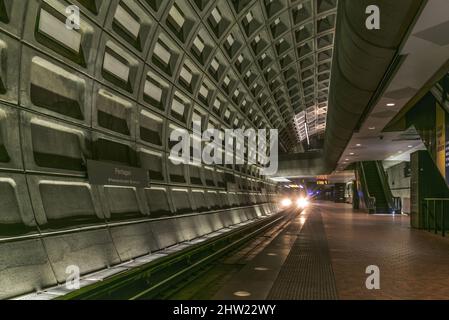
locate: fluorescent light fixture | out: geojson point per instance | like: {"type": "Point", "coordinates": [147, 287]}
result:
{"type": "Point", "coordinates": [279, 179]}
{"type": "Point", "coordinates": [391, 104]}
{"type": "Point", "coordinates": [307, 133]}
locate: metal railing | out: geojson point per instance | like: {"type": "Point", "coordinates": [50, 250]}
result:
{"type": "Point", "coordinates": [397, 203]}
{"type": "Point", "coordinates": [435, 209]}
{"type": "Point", "coordinates": [372, 203]}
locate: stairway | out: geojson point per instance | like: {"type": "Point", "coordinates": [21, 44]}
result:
{"type": "Point", "coordinates": [375, 188]}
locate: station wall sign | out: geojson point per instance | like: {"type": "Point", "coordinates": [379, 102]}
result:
{"type": "Point", "coordinates": [104, 173]}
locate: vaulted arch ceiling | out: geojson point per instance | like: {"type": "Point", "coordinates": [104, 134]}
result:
{"type": "Point", "coordinates": [259, 63]}
{"type": "Point", "coordinates": [276, 54]}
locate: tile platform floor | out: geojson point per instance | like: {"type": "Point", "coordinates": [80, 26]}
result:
{"type": "Point", "coordinates": [414, 264]}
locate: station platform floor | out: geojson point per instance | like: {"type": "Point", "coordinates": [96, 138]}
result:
{"type": "Point", "coordinates": [323, 253]}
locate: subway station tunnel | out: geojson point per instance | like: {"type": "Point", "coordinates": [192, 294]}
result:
{"type": "Point", "coordinates": [92, 205]}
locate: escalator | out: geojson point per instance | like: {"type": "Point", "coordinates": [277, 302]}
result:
{"type": "Point", "coordinates": [375, 189]}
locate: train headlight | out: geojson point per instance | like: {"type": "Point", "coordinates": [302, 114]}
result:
{"type": "Point", "coordinates": [302, 203]}
{"type": "Point", "coordinates": [286, 202]}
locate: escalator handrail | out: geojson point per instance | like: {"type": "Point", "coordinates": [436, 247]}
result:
{"type": "Point", "coordinates": [440, 93]}
{"type": "Point", "coordinates": [371, 199]}
{"type": "Point", "coordinates": [386, 187]}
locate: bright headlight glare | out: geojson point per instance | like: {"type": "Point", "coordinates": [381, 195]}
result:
{"type": "Point", "coordinates": [302, 203]}
{"type": "Point", "coordinates": [286, 202]}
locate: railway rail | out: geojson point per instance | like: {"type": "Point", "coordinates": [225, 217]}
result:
{"type": "Point", "coordinates": [150, 280]}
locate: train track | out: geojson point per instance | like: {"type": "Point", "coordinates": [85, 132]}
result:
{"type": "Point", "coordinates": [149, 281]}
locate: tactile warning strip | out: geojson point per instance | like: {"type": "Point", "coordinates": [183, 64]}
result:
{"type": "Point", "coordinates": [307, 272]}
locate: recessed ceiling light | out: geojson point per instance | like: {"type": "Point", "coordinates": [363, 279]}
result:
{"type": "Point", "coordinates": [410, 146]}
{"type": "Point", "coordinates": [352, 153]}
{"type": "Point", "coordinates": [372, 128]}
{"type": "Point", "coordinates": [391, 104]}
{"type": "Point", "coordinates": [261, 269]}
{"type": "Point", "coordinates": [242, 294]}
{"type": "Point", "coordinates": [358, 145]}
{"type": "Point", "coordinates": [346, 159]}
